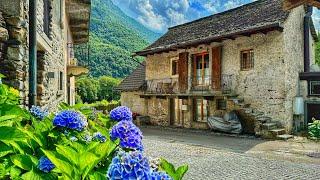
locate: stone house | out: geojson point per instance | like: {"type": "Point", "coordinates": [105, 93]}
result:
{"type": "Point", "coordinates": [254, 59]}
{"type": "Point", "coordinates": [37, 44]}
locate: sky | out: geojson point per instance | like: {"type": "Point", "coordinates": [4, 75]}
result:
{"type": "Point", "coordinates": [158, 15]}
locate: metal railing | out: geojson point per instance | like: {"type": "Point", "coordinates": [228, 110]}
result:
{"type": "Point", "coordinates": [195, 84]}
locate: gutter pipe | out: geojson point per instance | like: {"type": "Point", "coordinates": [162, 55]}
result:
{"type": "Point", "coordinates": [32, 53]}
{"type": "Point", "coordinates": [307, 22]}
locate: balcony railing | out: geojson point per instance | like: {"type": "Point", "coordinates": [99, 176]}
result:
{"type": "Point", "coordinates": [162, 86]}
{"type": "Point", "coordinates": [196, 85]}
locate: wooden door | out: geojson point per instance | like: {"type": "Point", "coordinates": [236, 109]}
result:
{"type": "Point", "coordinates": [183, 71]}
{"type": "Point", "coordinates": [216, 68]}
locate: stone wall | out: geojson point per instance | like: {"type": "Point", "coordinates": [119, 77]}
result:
{"type": "Point", "coordinates": [134, 102]}
{"type": "Point", "coordinates": [14, 64]}
{"type": "Point", "coordinates": [158, 110]}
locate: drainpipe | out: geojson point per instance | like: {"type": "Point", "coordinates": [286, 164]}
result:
{"type": "Point", "coordinates": [32, 52]}
{"type": "Point", "coordinates": [307, 21]}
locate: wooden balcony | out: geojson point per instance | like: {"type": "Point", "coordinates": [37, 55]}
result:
{"type": "Point", "coordinates": [169, 87]}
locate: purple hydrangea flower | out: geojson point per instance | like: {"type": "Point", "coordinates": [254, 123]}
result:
{"type": "Point", "coordinates": [157, 175]}
{"type": "Point", "coordinates": [99, 136]}
{"type": "Point", "coordinates": [121, 113]}
{"type": "Point", "coordinates": [70, 119]}
{"type": "Point", "coordinates": [129, 165]}
{"type": "Point", "coordinates": [37, 112]}
{"type": "Point", "coordinates": [45, 164]}
{"type": "Point", "coordinates": [129, 134]}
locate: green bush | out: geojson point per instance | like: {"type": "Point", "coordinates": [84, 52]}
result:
{"type": "Point", "coordinates": [91, 90]}
{"type": "Point", "coordinates": [314, 129]}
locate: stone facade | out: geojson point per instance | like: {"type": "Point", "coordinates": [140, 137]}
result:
{"type": "Point", "coordinates": [53, 51]}
{"type": "Point", "coordinates": [270, 87]}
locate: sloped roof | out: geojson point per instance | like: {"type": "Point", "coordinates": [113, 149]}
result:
{"type": "Point", "coordinates": [135, 80]}
{"type": "Point", "coordinates": [257, 16]}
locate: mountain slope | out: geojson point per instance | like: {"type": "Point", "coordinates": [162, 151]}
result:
{"type": "Point", "coordinates": [113, 37]}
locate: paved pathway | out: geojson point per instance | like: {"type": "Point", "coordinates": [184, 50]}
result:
{"type": "Point", "coordinates": [219, 157]}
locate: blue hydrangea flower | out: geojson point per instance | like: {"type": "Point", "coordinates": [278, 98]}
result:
{"type": "Point", "coordinates": [121, 113]}
{"type": "Point", "coordinates": [157, 175]}
{"type": "Point", "coordinates": [70, 119]}
{"type": "Point", "coordinates": [37, 112]}
{"type": "Point", "coordinates": [99, 136]}
{"type": "Point", "coordinates": [129, 134]}
{"type": "Point", "coordinates": [73, 139]}
{"type": "Point", "coordinates": [87, 138]}
{"type": "Point", "coordinates": [129, 165]}
{"type": "Point", "coordinates": [45, 164]}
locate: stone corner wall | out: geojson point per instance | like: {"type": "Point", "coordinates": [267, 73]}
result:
{"type": "Point", "coordinates": [14, 53]}
{"type": "Point", "coordinates": [133, 101]}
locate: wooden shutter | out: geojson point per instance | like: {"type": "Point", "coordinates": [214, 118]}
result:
{"type": "Point", "coordinates": [183, 71]}
{"type": "Point", "coordinates": [216, 68]}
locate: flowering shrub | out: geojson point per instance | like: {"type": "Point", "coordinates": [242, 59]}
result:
{"type": "Point", "coordinates": [70, 145]}
{"type": "Point", "coordinates": [37, 112]}
{"type": "Point", "coordinates": [121, 113]}
{"type": "Point", "coordinates": [129, 134]}
{"type": "Point", "coordinates": [45, 164]}
{"type": "Point", "coordinates": [70, 119]}
{"type": "Point", "coordinates": [314, 129]}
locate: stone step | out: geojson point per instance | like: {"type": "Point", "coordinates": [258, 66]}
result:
{"type": "Point", "coordinates": [244, 105]}
{"type": "Point", "coordinates": [272, 134]}
{"type": "Point", "coordinates": [284, 137]}
{"type": "Point", "coordinates": [264, 119]}
{"type": "Point", "coordinates": [269, 126]}
{"type": "Point", "coordinates": [277, 132]}
{"type": "Point", "coordinates": [258, 114]}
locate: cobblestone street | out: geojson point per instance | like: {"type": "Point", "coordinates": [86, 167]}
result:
{"type": "Point", "coordinates": [210, 162]}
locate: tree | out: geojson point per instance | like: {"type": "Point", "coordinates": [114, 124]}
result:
{"type": "Point", "coordinates": [87, 89]}
{"type": "Point", "coordinates": [318, 52]}
{"type": "Point", "coordinates": [106, 90]}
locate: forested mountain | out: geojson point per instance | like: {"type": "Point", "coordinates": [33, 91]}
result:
{"type": "Point", "coordinates": [113, 37]}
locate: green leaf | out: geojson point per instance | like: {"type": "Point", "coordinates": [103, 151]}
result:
{"type": "Point", "coordinates": [15, 172]}
{"type": "Point", "coordinates": [3, 171]}
{"type": "Point", "coordinates": [68, 152]}
{"type": "Point", "coordinates": [181, 171]}
{"type": "Point", "coordinates": [11, 134]}
{"type": "Point", "coordinates": [62, 165]}
{"type": "Point", "coordinates": [34, 175]}
{"type": "Point", "coordinates": [5, 149]}
{"type": "Point", "coordinates": [7, 117]}
{"type": "Point", "coordinates": [170, 170]}
{"type": "Point", "coordinates": [97, 176]}
{"type": "Point", "coordinates": [25, 162]}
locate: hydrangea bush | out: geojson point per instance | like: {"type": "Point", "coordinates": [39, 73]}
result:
{"type": "Point", "coordinates": [73, 143]}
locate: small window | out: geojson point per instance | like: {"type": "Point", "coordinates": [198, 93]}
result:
{"type": "Point", "coordinates": [61, 81]}
{"type": "Point", "coordinates": [314, 87]}
{"type": "Point", "coordinates": [46, 17]}
{"type": "Point", "coordinates": [221, 104]}
{"type": "Point", "coordinates": [247, 60]}
{"type": "Point", "coordinates": [174, 66]}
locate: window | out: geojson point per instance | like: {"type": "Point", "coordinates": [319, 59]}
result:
{"type": "Point", "coordinates": [221, 104]}
{"type": "Point", "coordinates": [201, 70]}
{"type": "Point", "coordinates": [247, 60]}
{"type": "Point", "coordinates": [46, 17]}
{"type": "Point", "coordinates": [314, 88]}
{"type": "Point", "coordinates": [61, 81]}
{"type": "Point", "coordinates": [201, 110]}
{"type": "Point", "coordinates": [174, 66]}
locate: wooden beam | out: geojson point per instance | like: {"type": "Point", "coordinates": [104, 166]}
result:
{"type": "Point", "coordinates": [290, 4]}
